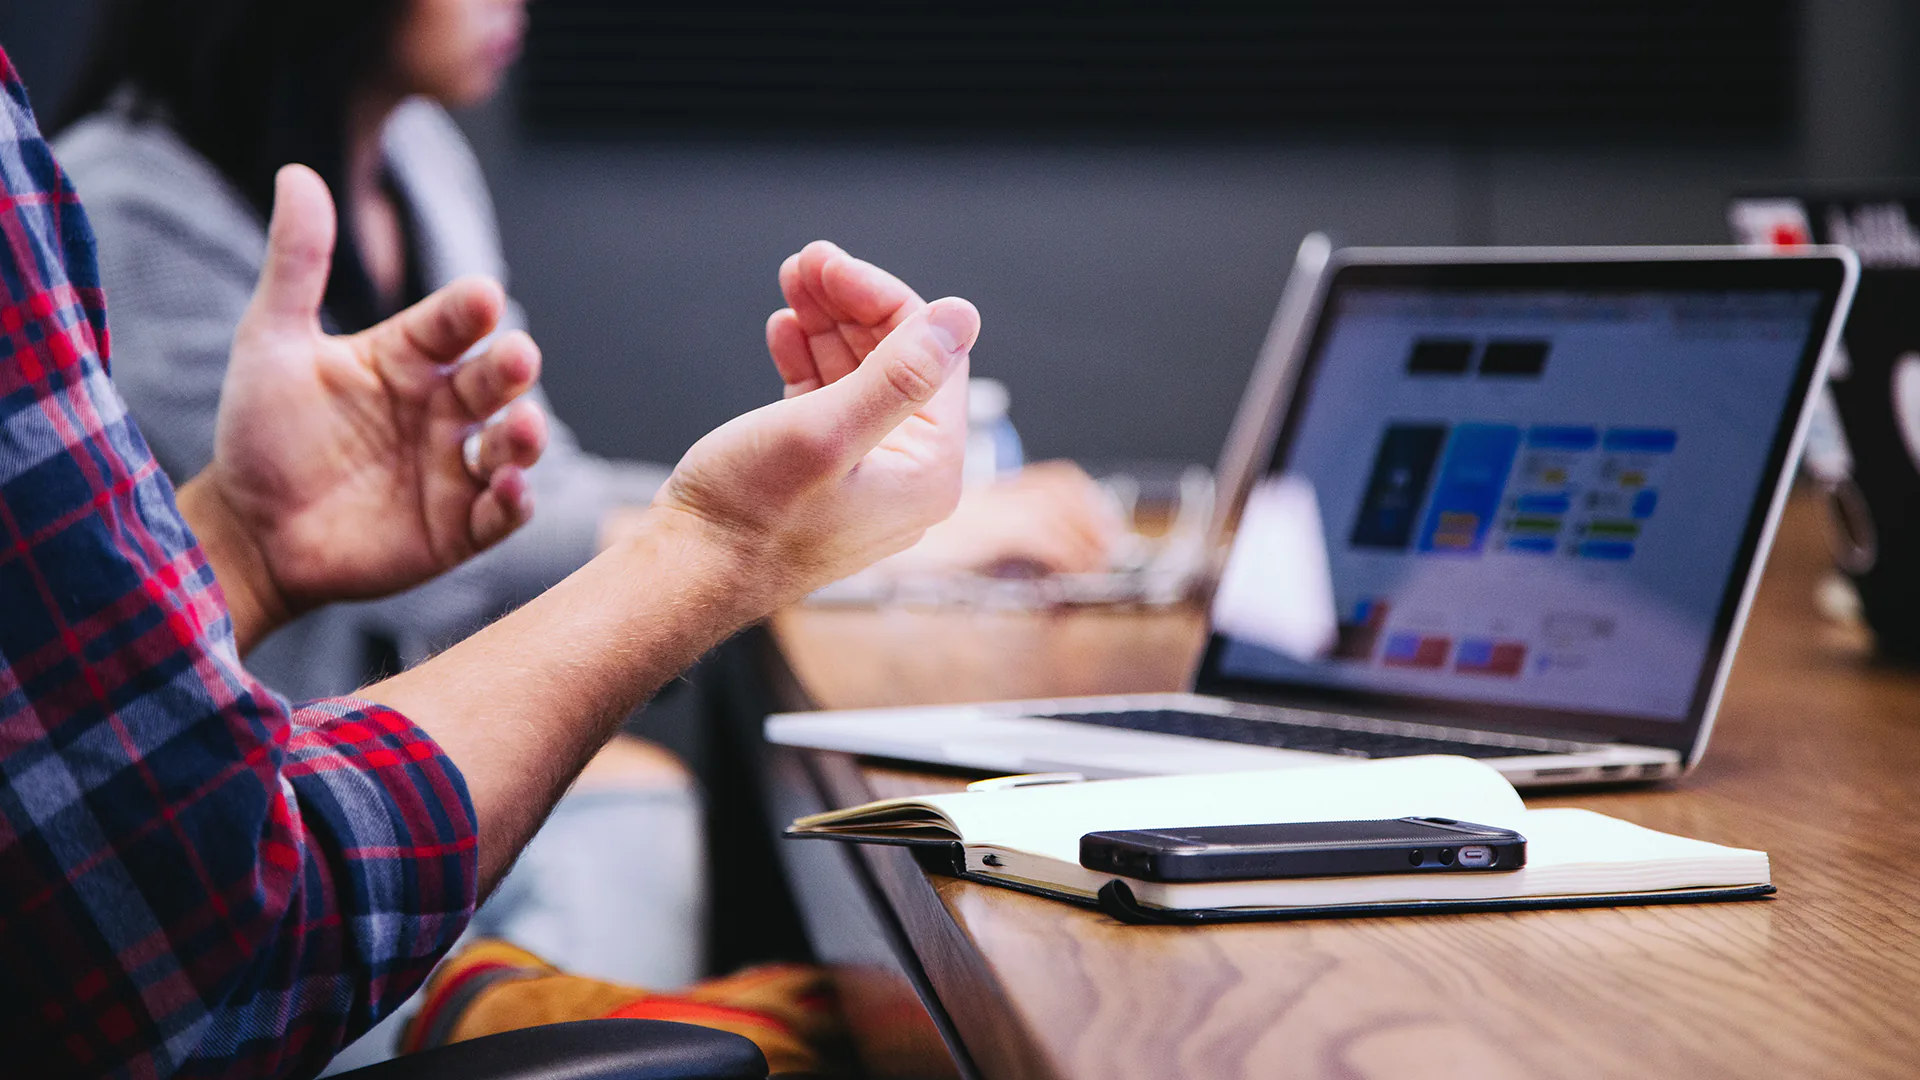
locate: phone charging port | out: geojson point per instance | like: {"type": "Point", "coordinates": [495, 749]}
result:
{"type": "Point", "coordinates": [1475, 856]}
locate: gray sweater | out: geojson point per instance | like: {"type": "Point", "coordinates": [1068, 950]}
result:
{"type": "Point", "coordinates": [180, 249]}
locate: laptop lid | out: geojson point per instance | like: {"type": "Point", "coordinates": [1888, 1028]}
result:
{"type": "Point", "coordinates": [1250, 439]}
{"type": "Point", "coordinates": [1547, 479]}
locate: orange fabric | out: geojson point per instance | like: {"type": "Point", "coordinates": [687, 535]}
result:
{"type": "Point", "coordinates": [786, 1009]}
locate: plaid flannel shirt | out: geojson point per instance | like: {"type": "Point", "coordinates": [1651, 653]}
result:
{"type": "Point", "coordinates": [196, 879]}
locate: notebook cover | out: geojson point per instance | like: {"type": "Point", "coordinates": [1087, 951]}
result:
{"type": "Point", "coordinates": [1116, 899]}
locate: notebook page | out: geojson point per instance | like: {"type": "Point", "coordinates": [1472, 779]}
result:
{"type": "Point", "coordinates": [1569, 853]}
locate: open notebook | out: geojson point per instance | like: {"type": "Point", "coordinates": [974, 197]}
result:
{"type": "Point", "coordinates": [1028, 838]}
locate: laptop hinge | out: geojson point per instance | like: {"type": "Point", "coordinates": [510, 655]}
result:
{"type": "Point", "coordinates": [1392, 714]}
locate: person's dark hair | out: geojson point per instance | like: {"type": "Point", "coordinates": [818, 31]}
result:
{"type": "Point", "coordinates": [251, 85]}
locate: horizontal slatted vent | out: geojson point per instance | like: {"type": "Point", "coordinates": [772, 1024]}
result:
{"type": "Point", "coordinates": [891, 67]}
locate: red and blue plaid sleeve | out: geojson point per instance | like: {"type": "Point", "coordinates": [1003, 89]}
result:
{"type": "Point", "coordinates": [195, 878]}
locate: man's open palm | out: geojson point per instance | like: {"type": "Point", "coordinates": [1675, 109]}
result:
{"type": "Point", "coordinates": [342, 457]}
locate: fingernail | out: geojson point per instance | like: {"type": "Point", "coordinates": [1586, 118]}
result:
{"type": "Point", "coordinates": [951, 325]}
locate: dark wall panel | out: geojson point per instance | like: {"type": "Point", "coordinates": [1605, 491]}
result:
{"type": "Point", "coordinates": [1157, 66]}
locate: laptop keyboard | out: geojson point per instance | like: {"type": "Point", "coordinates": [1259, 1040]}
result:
{"type": "Point", "coordinates": [1317, 738]}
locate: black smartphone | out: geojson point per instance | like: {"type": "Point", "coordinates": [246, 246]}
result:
{"type": "Point", "coordinates": [1410, 845]}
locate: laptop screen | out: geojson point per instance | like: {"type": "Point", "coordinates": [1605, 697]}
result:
{"type": "Point", "coordinates": [1539, 501]}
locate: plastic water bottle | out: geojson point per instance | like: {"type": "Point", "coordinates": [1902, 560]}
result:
{"type": "Point", "coordinates": [993, 446]}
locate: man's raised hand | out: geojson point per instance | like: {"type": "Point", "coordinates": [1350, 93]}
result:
{"type": "Point", "coordinates": [338, 467]}
{"type": "Point", "coordinates": [1051, 516]}
{"type": "Point", "coordinates": [865, 451]}
{"type": "Point", "coordinates": [838, 309]}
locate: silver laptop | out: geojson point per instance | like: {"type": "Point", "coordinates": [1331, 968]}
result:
{"type": "Point", "coordinates": [1545, 483]}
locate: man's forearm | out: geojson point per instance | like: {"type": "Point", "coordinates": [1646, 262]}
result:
{"type": "Point", "coordinates": [522, 705]}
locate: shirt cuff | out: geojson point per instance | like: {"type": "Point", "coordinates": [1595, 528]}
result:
{"type": "Point", "coordinates": [388, 814]}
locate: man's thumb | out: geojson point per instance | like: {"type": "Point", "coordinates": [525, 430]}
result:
{"type": "Point", "coordinates": [293, 282]}
{"type": "Point", "coordinates": [900, 376]}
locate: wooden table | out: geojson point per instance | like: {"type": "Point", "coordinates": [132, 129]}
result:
{"type": "Point", "coordinates": [1816, 759]}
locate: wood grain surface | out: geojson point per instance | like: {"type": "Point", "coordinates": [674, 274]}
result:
{"type": "Point", "coordinates": [1815, 759]}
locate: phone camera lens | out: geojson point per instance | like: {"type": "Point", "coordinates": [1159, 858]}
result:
{"type": "Point", "coordinates": [1446, 856]}
{"type": "Point", "coordinates": [1416, 856]}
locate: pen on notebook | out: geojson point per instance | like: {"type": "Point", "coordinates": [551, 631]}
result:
{"type": "Point", "coordinates": [1002, 783]}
